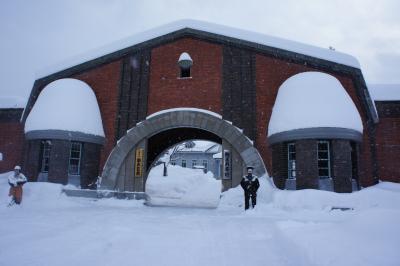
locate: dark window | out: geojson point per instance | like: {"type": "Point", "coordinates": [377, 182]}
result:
{"type": "Point", "coordinates": [324, 164]}
{"type": "Point", "coordinates": [354, 160]}
{"type": "Point", "coordinates": [75, 158]}
{"type": "Point", "coordinates": [205, 164]}
{"type": "Point", "coordinates": [194, 163]}
{"type": "Point", "coordinates": [183, 163]}
{"type": "Point", "coordinates": [185, 72]}
{"type": "Point", "coordinates": [173, 162]}
{"type": "Point", "coordinates": [291, 153]}
{"type": "Point", "coordinates": [45, 156]}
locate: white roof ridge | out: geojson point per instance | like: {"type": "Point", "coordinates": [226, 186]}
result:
{"type": "Point", "coordinates": [237, 33]}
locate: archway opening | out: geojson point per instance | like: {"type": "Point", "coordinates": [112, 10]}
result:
{"type": "Point", "coordinates": [126, 168]}
{"type": "Point", "coordinates": [162, 141]}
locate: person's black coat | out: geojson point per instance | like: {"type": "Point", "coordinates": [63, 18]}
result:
{"type": "Point", "coordinates": [250, 185]}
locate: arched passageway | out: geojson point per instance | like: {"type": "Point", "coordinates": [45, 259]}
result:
{"type": "Point", "coordinates": [127, 166]}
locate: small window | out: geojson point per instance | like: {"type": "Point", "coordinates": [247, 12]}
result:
{"type": "Point", "coordinates": [324, 164]}
{"type": "Point", "coordinates": [291, 153]}
{"type": "Point", "coordinates": [75, 158]}
{"type": "Point", "coordinates": [205, 164]}
{"type": "Point", "coordinates": [185, 63]}
{"type": "Point", "coordinates": [45, 156]}
{"type": "Point", "coordinates": [173, 162]}
{"type": "Point", "coordinates": [185, 72]}
{"type": "Point", "coordinates": [194, 163]}
{"type": "Point", "coordinates": [183, 163]}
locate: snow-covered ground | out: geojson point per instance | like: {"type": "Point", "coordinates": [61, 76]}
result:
{"type": "Point", "coordinates": [296, 228]}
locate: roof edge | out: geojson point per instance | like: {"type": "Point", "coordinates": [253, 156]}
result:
{"type": "Point", "coordinates": [64, 135]}
{"type": "Point", "coordinates": [316, 133]}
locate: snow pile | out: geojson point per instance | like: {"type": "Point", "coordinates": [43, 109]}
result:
{"type": "Point", "coordinates": [296, 228]}
{"type": "Point", "coordinates": [313, 99]}
{"type": "Point", "coordinates": [184, 57]}
{"type": "Point", "coordinates": [190, 109]}
{"type": "Point", "coordinates": [384, 92]}
{"type": "Point", "coordinates": [66, 104]}
{"type": "Point", "coordinates": [12, 102]}
{"type": "Point", "coordinates": [182, 187]}
{"type": "Point", "coordinates": [253, 37]}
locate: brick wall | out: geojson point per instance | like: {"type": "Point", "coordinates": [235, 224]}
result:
{"type": "Point", "coordinates": [11, 139]}
{"type": "Point", "coordinates": [202, 90]}
{"type": "Point", "coordinates": [104, 81]}
{"type": "Point", "coordinates": [388, 140]}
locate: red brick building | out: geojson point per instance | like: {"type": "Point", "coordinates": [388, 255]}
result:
{"type": "Point", "coordinates": [233, 76]}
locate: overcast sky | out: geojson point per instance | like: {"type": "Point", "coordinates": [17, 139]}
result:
{"type": "Point", "coordinates": [37, 34]}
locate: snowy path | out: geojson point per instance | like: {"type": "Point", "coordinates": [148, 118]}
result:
{"type": "Point", "coordinates": [296, 228]}
{"type": "Point", "coordinates": [144, 235]}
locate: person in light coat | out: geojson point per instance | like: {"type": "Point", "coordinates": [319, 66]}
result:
{"type": "Point", "coordinates": [250, 185]}
{"type": "Point", "coordinates": [16, 180]}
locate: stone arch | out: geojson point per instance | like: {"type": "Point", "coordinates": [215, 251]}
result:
{"type": "Point", "coordinates": [179, 118]}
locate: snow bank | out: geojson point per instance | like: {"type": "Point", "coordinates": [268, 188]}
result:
{"type": "Point", "coordinates": [184, 109]}
{"type": "Point", "coordinates": [313, 99]}
{"type": "Point", "coordinates": [182, 187]}
{"type": "Point", "coordinates": [384, 92]}
{"type": "Point", "coordinates": [323, 53]}
{"type": "Point", "coordinates": [12, 102]}
{"type": "Point", "coordinates": [296, 228]}
{"type": "Point", "coordinates": [66, 104]}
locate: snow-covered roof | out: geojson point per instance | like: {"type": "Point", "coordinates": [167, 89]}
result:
{"type": "Point", "coordinates": [313, 100]}
{"type": "Point", "coordinates": [12, 102]}
{"type": "Point", "coordinates": [184, 109]}
{"type": "Point", "coordinates": [218, 155]}
{"type": "Point", "coordinates": [184, 56]}
{"type": "Point", "coordinates": [384, 92]}
{"type": "Point", "coordinates": [254, 37]}
{"type": "Point", "coordinates": [67, 105]}
{"type": "Point", "coordinates": [201, 146]}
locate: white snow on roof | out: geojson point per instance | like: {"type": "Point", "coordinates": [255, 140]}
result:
{"type": "Point", "coordinates": [184, 56]}
{"type": "Point", "coordinates": [201, 146]}
{"type": "Point", "coordinates": [322, 53]}
{"type": "Point", "coordinates": [183, 109]}
{"type": "Point", "coordinates": [218, 155]}
{"type": "Point", "coordinates": [12, 102]}
{"type": "Point", "coordinates": [313, 99]}
{"type": "Point", "coordinates": [66, 104]}
{"type": "Point", "coordinates": [384, 92]}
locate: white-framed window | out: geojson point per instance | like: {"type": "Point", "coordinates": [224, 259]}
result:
{"type": "Point", "coordinates": [205, 164]}
{"type": "Point", "coordinates": [75, 158]}
{"type": "Point", "coordinates": [194, 163]}
{"type": "Point", "coordinates": [291, 155]}
{"type": "Point", "coordinates": [183, 163]}
{"type": "Point", "coordinates": [324, 159]}
{"type": "Point", "coordinates": [45, 149]}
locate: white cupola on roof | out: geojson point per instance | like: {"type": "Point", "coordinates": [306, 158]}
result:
{"type": "Point", "coordinates": [318, 102]}
{"type": "Point", "coordinates": [66, 108]}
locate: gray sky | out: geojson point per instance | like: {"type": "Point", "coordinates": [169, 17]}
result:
{"type": "Point", "coordinates": [37, 34]}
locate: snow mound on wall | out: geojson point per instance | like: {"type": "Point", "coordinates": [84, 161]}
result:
{"type": "Point", "coordinates": [182, 187]}
{"type": "Point", "coordinates": [384, 92]}
{"type": "Point", "coordinates": [66, 104]}
{"type": "Point", "coordinates": [313, 99]}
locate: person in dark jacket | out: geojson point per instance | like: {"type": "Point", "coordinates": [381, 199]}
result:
{"type": "Point", "coordinates": [16, 180]}
{"type": "Point", "coordinates": [250, 186]}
